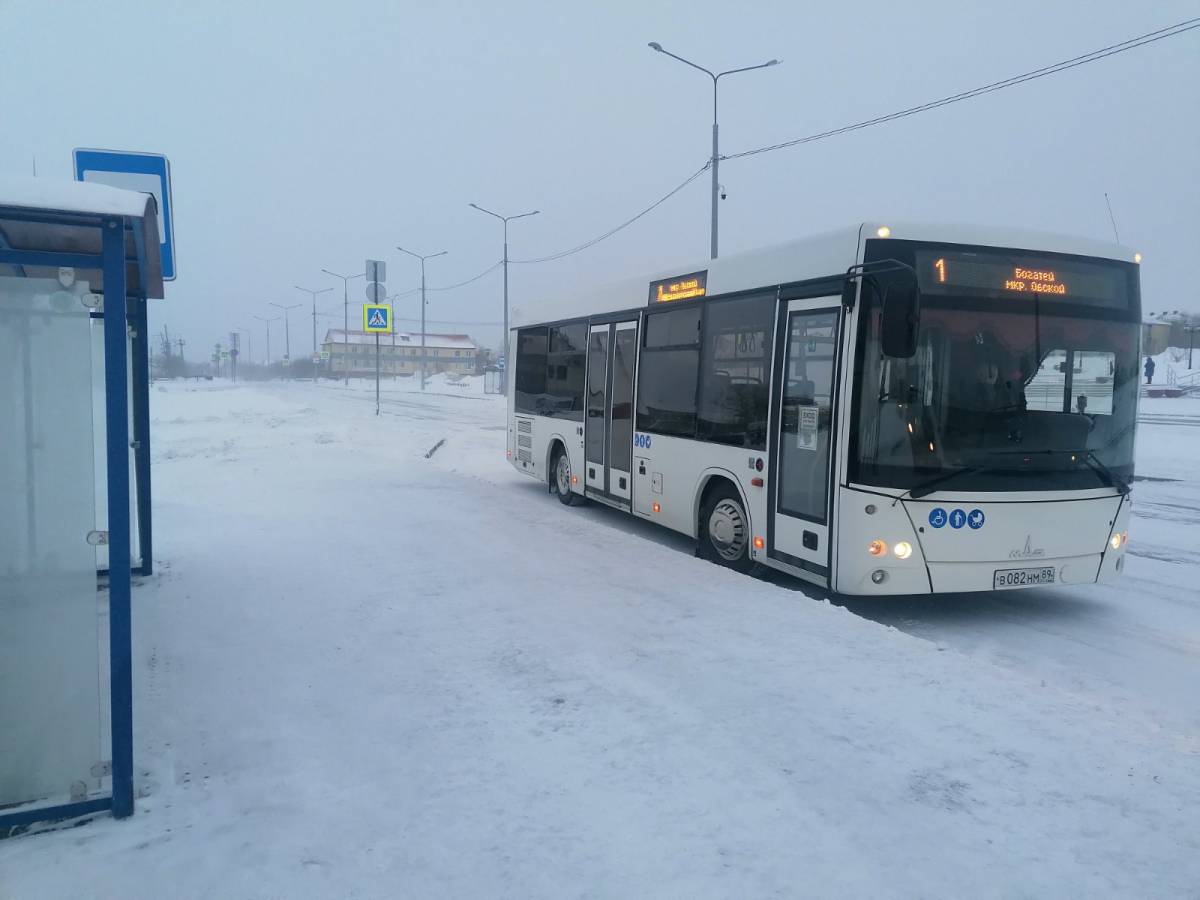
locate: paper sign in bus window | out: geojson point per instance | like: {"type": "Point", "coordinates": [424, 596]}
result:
{"type": "Point", "coordinates": [806, 431]}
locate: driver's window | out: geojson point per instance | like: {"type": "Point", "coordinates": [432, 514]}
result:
{"type": "Point", "coordinates": [1093, 382]}
{"type": "Point", "coordinates": [1078, 381]}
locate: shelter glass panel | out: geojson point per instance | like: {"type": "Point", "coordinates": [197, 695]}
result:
{"type": "Point", "coordinates": [53, 622]}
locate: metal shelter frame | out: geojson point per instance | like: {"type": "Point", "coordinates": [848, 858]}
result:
{"type": "Point", "coordinates": [45, 225]}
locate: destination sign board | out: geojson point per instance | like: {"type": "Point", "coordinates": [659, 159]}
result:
{"type": "Point", "coordinates": [680, 287]}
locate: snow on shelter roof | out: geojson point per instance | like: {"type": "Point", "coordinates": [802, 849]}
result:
{"type": "Point", "coordinates": [73, 210]}
{"type": "Point", "coordinates": [436, 341]}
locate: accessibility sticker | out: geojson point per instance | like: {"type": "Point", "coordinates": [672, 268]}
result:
{"type": "Point", "coordinates": [958, 518]}
{"type": "Point", "coordinates": [975, 519]}
{"type": "Point", "coordinates": [937, 517]}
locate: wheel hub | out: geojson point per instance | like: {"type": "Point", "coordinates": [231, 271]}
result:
{"type": "Point", "coordinates": [727, 530]}
{"type": "Point", "coordinates": [563, 474]}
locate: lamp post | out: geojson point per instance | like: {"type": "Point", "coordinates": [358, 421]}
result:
{"type": "Point", "coordinates": [287, 328]}
{"type": "Point", "coordinates": [422, 259]}
{"type": "Point", "coordinates": [268, 324]}
{"type": "Point", "coordinates": [249, 342]}
{"type": "Point", "coordinates": [505, 220]}
{"type": "Point", "coordinates": [313, 293]}
{"type": "Point", "coordinates": [717, 76]}
{"type": "Point", "coordinates": [346, 279]}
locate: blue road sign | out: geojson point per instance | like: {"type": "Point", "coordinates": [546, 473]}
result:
{"type": "Point", "coordinates": [958, 518]}
{"type": "Point", "coordinates": [937, 517]}
{"type": "Point", "coordinates": [377, 318]}
{"type": "Point", "coordinates": [146, 172]}
{"type": "Point", "coordinates": [976, 519]}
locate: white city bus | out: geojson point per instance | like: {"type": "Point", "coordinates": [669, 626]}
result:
{"type": "Point", "coordinates": [903, 410]}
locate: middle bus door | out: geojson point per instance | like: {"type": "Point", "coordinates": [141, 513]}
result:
{"type": "Point", "coordinates": [608, 429]}
{"type": "Point", "coordinates": [802, 446]}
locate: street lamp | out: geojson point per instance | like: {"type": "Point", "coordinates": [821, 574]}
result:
{"type": "Point", "coordinates": [313, 293]}
{"type": "Point", "coordinates": [422, 259]}
{"type": "Point", "coordinates": [505, 220]}
{"type": "Point", "coordinates": [287, 329]}
{"type": "Point", "coordinates": [654, 45]}
{"type": "Point", "coordinates": [346, 315]}
{"type": "Point", "coordinates": [268, 324]}
{"type": "Point", "coordinates": [249, 342]}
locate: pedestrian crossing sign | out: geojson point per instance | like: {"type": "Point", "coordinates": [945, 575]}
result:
{"type": "Point", "coordinates": [377, 318]}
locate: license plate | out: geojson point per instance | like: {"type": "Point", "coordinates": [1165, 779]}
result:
{"type": "Point", "coordinates": [1016, 578]}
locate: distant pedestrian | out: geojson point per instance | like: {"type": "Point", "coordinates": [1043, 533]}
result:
{"type": "Point", "coordinates": [1149, 368]}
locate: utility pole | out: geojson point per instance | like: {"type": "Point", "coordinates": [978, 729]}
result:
{"type": "Point", "coordinates": [346, 313]}
{"type": "Point", "coordinates": [505, 220]}
{"type": "Point", "coordinates": [422, 259]}
{"type": "Point", "coordinates": [268, 324]}
{"type": "Point", "coordinates": [716, 156]}
{"type": "Point", "coordinates": [249, 343]}
{"type": "Point", "coordinates": [287, 330]}
{"type": "Point", "coordinates": [313, 294]}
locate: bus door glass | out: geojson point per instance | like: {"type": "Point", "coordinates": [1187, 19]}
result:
{"type": "Point", "coordinates": [596, 417]}
{"type": "Point", "coordinates": [608, 436]}
{"type": "Point", "coordinates": [620, 415]}
{"type": "Point", "coordinates": [806, 371]}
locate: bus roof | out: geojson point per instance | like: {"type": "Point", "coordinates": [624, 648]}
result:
{"type": "Point", "coordinates": [817, 256]}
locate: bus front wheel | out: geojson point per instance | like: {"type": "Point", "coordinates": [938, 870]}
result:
{"type": "Point", "coordinates": [724, 532]}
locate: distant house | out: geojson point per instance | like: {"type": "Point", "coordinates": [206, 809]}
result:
{"type": "Point", "coordinates": [399, 353]}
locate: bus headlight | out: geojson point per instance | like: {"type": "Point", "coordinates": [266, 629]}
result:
{"type": "Point", "coordinates": [903, 550]}
{"type": "Point", "coordinates": [877, 548]}
{"type": "Point", "coordinates": [1115, 542]}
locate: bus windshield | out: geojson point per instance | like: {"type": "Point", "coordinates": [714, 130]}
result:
{"type": "Point", "coordinates": [999, 398]}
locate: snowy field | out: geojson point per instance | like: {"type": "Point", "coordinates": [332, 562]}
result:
{"type": "Point", "coordinates": [363, 673]}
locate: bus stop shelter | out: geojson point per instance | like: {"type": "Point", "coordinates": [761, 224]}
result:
{"type": "Point", "coordinates": [78, 263]}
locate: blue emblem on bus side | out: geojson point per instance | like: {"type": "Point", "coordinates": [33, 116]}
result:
{"type": "Point", "coordinates": [937, 517]}
{"type": "Point", "coordinates": [641, 440]}
{"type": "Point", "coordinates": [976, 519]}
{"type": "Point", "coordinates": [958, 518]}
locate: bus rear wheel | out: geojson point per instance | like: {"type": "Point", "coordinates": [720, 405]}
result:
{"type": "Point", "coordinates": [560, 477]}
{"type": "Point", "coordinates": [724, 532]}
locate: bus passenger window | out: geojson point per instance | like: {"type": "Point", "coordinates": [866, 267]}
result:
{"type": "Point", "coordinates": [735, 371]}
{"type": "Point", "coordinates": [530, 394]}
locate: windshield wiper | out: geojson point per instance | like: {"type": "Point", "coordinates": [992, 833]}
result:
{"type": "Point", "coordinates": [928, 487]}
{"type": "Point", "coordinates": [1106, 474]}
{"type": "Point", "coordinates": [1103, 472]}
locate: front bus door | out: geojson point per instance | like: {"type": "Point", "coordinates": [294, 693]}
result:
{"type": "Point", "coordinates": [608, 435]}
{"type": "Point", "coordinates": [806, 370]}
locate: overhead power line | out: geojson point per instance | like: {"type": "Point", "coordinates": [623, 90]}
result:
{"type": "Point", "coordinates": [657, 203]}
{"type": "Point", "coordinates": [450, 287]}
{"type": "Point", "coordinates": [1053, 69]}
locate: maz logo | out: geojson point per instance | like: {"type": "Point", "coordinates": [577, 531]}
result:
{"type": "Point", "coordinates": [1028, 551]}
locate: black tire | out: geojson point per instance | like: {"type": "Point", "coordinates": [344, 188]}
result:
{"type": "Point", "coordinates": [723, 532]}
{"type": "Point", "coordinates": [560, 477]}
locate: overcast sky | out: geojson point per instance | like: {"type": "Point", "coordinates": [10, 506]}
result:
{"type": "Point", "coordinates": [306, 135]}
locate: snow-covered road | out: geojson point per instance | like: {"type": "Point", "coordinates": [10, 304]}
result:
{"type": "Point", "coordinates": [361, 672]}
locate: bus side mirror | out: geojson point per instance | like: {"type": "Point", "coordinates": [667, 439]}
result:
{"type": "Point", "coordinates": [901, 320]}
